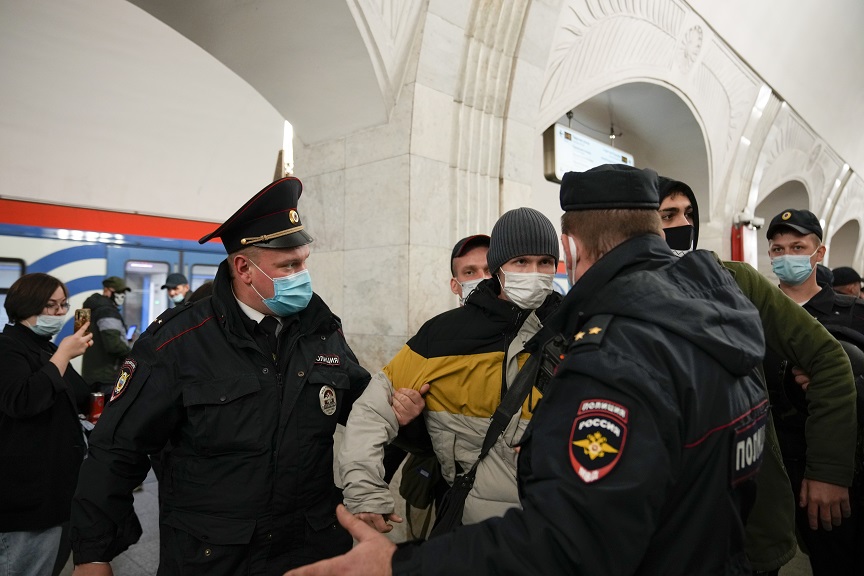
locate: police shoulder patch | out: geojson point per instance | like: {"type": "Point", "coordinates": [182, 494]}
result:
{"type": "Point", "coordinates": [126, 372]}
{"type": "Point", "coordinates": [597, 438]}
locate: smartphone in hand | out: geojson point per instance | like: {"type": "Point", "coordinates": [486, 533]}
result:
{"type": "Point", "coordinates": [82, 316]}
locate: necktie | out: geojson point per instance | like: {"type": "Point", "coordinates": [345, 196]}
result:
{"type": "Point", "coordinates": [269, 326]}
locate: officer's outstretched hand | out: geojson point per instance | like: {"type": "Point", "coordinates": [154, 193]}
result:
{"type": "Point", "coordinates": [93, 569]}
{"type": "Point", "coordinates": [408, 403]}
{"type": "Point", "coordinates": [372, 555]}
{"type": "Point", "coordinates": [825, 503]}
{"type": "Point", "coordinates": [380, 522]}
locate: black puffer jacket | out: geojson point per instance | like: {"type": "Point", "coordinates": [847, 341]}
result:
{"type": "Point", "coordinates": [41, 443]}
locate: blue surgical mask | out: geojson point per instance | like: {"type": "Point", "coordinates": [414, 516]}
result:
{"type": "Point", "coordinates": [48, 325]}
{"type": "Point", "coordinates": [178, 298]}
{"type": "Point", "coordinates": [792, 269]}
{"type": "Point", "coordinates": [291, 293]}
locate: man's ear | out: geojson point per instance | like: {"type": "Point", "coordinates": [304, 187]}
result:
{"type": "Point", "coordinates": [455, 287]}
{"type": "Point", "coordinates": [820, 253]}
{"type": "Point", "coordinates": [565, 243]}
{"type": "Point", "coordinates": [241, 268]}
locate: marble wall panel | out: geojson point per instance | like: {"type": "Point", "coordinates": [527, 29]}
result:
{"type": "Point", "coordinates": [456, 12]}
{"type": "Point", "coordinates": [441, 54]}
{"type": "Point", "coordinates": [516, 164]}
{"type": "Point", "coordinates": [326, 271]}
{"type": "Point", "coordinates": [385, 141]}
{"type": "Point", "coordinates": [432, 128]}
{"type": "Point", "coordinates": [428, 285]}
{"type": "Point", "coordinates": [376, 290]}
{"type": "Point", "coordinates": [430, 218]}
{"type": "Point", "coordinates": [322, 207]}
{"type": "Point", "coordinates": [318, 158]}
{"type": "Point", "coordinates": [376, 204]}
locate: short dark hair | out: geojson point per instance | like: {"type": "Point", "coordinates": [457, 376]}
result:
{"type": "Point", "coordinates": [602, 230]}
{"type": "Point", "coordinates": [29, 294]}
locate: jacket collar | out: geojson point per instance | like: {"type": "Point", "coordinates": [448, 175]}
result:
{"type": "Point", "coordinates": [32, 340]}
{"type": "Point", "coordinates": [228, 311]}
{"type": "Point", "coordinates": [823, 301]}
{"type": "Point", "coordinates": [639, 253]}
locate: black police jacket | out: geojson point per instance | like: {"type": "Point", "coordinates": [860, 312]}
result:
{"type": "Point", "coordinates": [248, 440]}
{"type": "Point", "coordinates": [640, 457]}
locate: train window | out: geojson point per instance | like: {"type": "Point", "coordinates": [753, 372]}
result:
{"type": "Point", "coordinates": [147, 300]}
{"type": "Point", "coordinates": [10, 270]}
{"type": "Point", "coordinates": [201, 273]}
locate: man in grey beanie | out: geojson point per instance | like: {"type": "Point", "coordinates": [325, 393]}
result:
{"type": "Point", "coordinates": [523, 256]}
{"type": "Point", "coordinates": [469, 356]}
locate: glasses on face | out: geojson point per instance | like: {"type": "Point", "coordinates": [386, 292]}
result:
{"type": "Point", "coordinates": [54, 307]}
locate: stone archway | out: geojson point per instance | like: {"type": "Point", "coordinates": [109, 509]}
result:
{"type": "Point", "coordinates": [843, 244]}
{"type": "Point", "coordinates": [644, 114]}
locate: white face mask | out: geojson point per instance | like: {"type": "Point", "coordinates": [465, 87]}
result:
{"type": "Point", "coordinates": [119, 298]}
{"type": "Point", "coordinates": [47, 325]}
{"type": "Point", "coordinates": [527, 290]}
{"type": "Point", "coordinates": [178, 298]}
{"type": "Point", "coordinates": [467, 287]}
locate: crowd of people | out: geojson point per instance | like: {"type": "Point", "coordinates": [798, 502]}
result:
{"type": "Point", "coordinates": [672, 413]}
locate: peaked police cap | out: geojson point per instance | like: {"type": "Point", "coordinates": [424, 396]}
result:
{"type": "Point", "coordinates": [268, 220]}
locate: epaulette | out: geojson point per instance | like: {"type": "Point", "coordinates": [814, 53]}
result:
{"type": "Point", "coordinates": [166, 317]}
{"type": "Point", "coordinates": [593, 331]}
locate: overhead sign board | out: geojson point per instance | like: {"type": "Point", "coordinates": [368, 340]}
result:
{"type": "Point", "coordinates": [565, 150]}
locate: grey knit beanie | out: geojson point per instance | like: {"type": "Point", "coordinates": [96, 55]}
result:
{"type": "Point", "coordinates": [521, 232]}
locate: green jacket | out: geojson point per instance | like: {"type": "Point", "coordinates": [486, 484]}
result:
{"type": "Point", "coordinates": [795, 335]}
{"type": "Point", "coordinates": [101, 361]}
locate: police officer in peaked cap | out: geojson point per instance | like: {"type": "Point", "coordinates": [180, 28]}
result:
{"type": "Point", "coordinates": [243, 391]}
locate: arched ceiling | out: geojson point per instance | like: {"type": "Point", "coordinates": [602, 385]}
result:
{"type": "Point", "coordinates": [307, 59]}
{"type": "Point", "coordinates": [810, 53]}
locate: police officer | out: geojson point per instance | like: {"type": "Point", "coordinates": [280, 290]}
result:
{"type": "Point", "coordinates": [795, 248]}
{"type": "Point", "coordinates": [640, 457]}
{"type": "Point", "coordinates": [244, 390]}
{"type": "Point", "coordinates": [178, 288]}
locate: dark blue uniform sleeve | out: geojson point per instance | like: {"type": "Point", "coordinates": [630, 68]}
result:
{"type": "Point", "coordinates": [137, 422]}
{"type": "Point", "coordinates": [591, 499]}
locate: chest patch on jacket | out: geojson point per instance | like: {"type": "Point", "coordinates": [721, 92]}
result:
{"type": "Point", "coordinates": [328, 359]}
{"type": "Point", "coordinates": [126, 372]}
{"type": "Point", "coordinates": [597, 438]}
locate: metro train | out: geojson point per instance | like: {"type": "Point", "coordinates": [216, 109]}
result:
{"type": "Point", "coordinates": [83, 246]}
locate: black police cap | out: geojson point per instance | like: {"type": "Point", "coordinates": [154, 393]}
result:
{"type": "Point", "coordinates": [845, 275]}
{"type": "Point", "coordinates": [268, 220]}
{"type": "Point", "coordinates": [610, 186]}
{"type": "Point", "coordinates": [801, 221]}
{"type": "Point", "coordinates": [467, 244]}
{"type": "Point", "coordinates": [174, 279]}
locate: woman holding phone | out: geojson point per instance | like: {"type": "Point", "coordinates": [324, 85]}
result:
{"type": "Point", "coordinates": [41, 440]}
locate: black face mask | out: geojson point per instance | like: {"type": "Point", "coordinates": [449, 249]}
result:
{"type": "Point", "coordinates": [680, 239]}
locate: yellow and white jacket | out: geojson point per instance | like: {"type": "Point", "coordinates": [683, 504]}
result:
{"type": "Point", "coordinates": [469, 356]}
